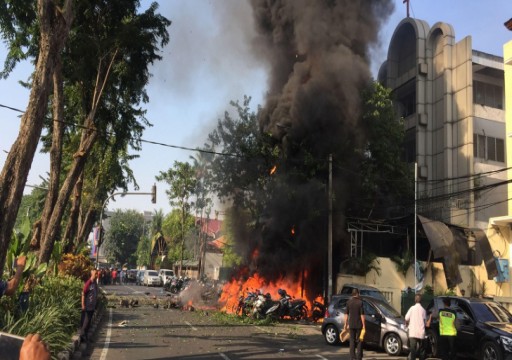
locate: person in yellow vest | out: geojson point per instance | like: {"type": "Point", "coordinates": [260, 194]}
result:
{"type": "Point", "coordinates": [447, 330]}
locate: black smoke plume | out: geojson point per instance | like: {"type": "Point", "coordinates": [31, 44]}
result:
{"type": "Point", "coordinates": [317, 52]}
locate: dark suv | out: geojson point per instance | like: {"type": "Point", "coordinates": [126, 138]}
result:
{"type": "Point", "coordinates": [366, 290]}
{"type": "Point", "coordinates": [484, 328]}
{"type": "Point", "coordinates": [385, 327]}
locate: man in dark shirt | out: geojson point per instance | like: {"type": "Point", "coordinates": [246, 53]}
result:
{"type": "Point", "coordinates": [89, 299]}
{"type": "Point", "coordinates": [354, 321]}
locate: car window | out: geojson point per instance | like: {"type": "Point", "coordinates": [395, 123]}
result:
{"type": "Point", "coordinates": [369, 309]}
{"type": "Point", "coordinates": [152, 273]}
{"type": "Point", "coordinates": [463, 310]}
{"type": "Point", "coordinates": [169, 273]}
{"type": "Point", "coordinates": [489, 311]}
{"type": "Point", "coordinates": [342, 304]}
{"type": "Point", "coordinates": [373, 293]}
{"type": "Point", "coordinates": [346, 290]}
{"type": "Point", "coordinates": [388, 310]}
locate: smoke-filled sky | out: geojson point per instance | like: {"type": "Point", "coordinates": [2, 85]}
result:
{"type": "Point", "coordinates": [210, 61]}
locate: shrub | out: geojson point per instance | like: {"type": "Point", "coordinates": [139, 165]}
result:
{"type": "Point", "coordinates": [54, 312]}
{"type": "Point", "coordinates": [78, 266]}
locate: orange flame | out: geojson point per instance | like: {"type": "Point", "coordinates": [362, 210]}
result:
{"type": "Point", "coordinates": [238, 288]}
{"type": "Point", "coordinates": [273, 170]}
{"type": "Point", "coordinates": [292, 231]}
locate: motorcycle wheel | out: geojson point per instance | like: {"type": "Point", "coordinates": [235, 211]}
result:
{"type": "Point", "coordinates": [174, 290]}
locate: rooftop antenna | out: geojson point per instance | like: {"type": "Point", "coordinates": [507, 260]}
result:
{"type": "Point", "coordinates": [407, 4]}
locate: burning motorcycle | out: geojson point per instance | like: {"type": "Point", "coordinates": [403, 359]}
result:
{"type": "Point", "coordinates": [318, 311]}
{"type": "Point", "coordinates": [261, 305]}
{"type": "Point", "coordinates": [175, 285]}
{"type": "Point", "coordinates": [245, 303]}
{"type": "Point", "coordinates": [295, 309]}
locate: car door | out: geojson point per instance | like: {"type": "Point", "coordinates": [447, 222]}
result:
{"type": "Point", "coordinates": [465, 341]}
{"type": "Point", "coordinates": [373, 321]}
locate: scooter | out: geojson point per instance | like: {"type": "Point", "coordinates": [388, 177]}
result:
{"type": "Point", "coordinates": [318, 311]}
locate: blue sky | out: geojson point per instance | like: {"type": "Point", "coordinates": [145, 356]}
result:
{"type": "Point", "coordinates": [208, 62]}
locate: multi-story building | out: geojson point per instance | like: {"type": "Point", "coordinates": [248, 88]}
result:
{"type": "Point", "coordinates": [451, 98]}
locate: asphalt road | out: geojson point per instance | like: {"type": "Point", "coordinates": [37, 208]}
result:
{"type": "Point", "coordinates": [150, 333]}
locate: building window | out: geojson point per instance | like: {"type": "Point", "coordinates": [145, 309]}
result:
{"type": "Point", "coordinates": [488, 148]}
{"type": "Point", "coordinates": [488, 94]}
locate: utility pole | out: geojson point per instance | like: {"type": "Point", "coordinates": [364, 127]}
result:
{"type": "Point", "coordinates": [329, 236]}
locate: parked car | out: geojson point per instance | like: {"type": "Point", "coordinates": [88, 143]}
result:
{"type": "Point", "coordinates": [131, 275]}
{"type": "Point", "coordinates": [484, 328]}
{"type": "Point", "coordinates": [151, 278]}
{"type": "Point", "coordinates": [139, 278]}
{"type": "Point", "coordinates": [385, 327]}
{"type": "Point", "coordinates": [165, 275]}
{"type": "Point", "coordinates": [365, 290]}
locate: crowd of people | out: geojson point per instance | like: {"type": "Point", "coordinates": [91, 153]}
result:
{"type": "Point", "coordinates": [111, 276]}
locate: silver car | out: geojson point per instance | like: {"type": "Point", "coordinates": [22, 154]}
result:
{"type": "Point", "coordinates": [151, 278]}
{"type": "Point", "coordinates": [385, 327]}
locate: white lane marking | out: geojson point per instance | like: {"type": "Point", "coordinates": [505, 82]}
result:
{"type": "Point", "coordinates": [189, 324]}
{"type": "Point", "coordinates": [321, 357]}
{"type": "Point", "coordinates": [107, 339]}
{"type": "Point", "coordinates": [224, 356]}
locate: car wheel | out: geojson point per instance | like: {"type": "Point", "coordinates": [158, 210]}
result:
{"type": "Point", "coordinates": [491, 351]}
{"type": "Point", "coordinates": [331, 335]}
{"type": "Point", "coordinates": [432, 345]}
{"type": "Point", "coordinates": [393, 344]}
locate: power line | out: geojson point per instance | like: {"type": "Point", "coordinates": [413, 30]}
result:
{"type": "Point", "coordinates": [141, 140]}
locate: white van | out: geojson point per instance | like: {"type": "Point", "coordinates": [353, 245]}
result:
{"type": "Point", "coordinates": [165, 275]}
{"type": "Point", "coordinates": [151, 278]}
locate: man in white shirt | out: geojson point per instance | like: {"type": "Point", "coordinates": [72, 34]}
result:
{"type": "Point", "coordinates": [415, 318]}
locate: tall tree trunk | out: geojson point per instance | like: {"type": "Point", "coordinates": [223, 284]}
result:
{"type": "Point", "coordinates": [77, 167]}
{"type": "Point", "coordinates": [54, 29]}
{"type": "Point", "coordinates": [72, 225]}
{"type": "Point", "coordinates": [55, 154]}
{"type": "Point", "coordinates": [89, 136]}
{"type": "Point", "coordinates": [86, 225]}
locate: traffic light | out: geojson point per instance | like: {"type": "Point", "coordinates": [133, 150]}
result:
{"type": "Point", "coordinates": [153, 194]}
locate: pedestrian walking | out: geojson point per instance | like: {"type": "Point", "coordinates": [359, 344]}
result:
{"type": "Point", "coordinates": [415, 319]}
{"type": "Point", "coordinates": [354, 322]}
{"type": "Point", "coordinates": [9, 287]}
{"type": "Point", "coordinates": [447, 330]}
{"type": "Point", "coordinates": [89, 299]}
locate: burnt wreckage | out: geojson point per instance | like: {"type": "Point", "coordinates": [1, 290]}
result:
{"type": "Point", "coordinates": [436, 241]}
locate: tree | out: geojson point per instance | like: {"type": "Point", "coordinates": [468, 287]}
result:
{"type": "Point", "coordinates": [386, 179]}
{"type": "Point", "coordinates": [54, 23]}
{"type": "Point", "coordinates": [182, 181]}
{"type": "Point", "coordinates": [123, 235]}
{"type": "Point", "coordinates": [203, 203]}
{"type": "Point", "coordinates": [107, 70]}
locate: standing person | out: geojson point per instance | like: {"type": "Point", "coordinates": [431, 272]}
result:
{"type": "Point", "coordinates": [89, 299]}
{"type": "Point", "coordinates": [447, 330]}
{"type": "Point", "coordinates": [9, 287]}
{"type": "Point", "coordinates": [415, 318]}
{"type": "Point", "coordinates": [354, 321]}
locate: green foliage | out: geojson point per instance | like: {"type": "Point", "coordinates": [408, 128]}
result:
{"type": "Point", "coordinates": [54, 312]}
{"type": "Point", "coordinates": [387, 179]}
{"type": "Point", "coordinates": [223, 318]}
{"type": "Point", "coordinates": [144, 251]}
{"type": "Point", "coordinates": [428, 290]}
{"type": "Point", "coordinates": [364, 264]}
{"type": "Point", "coordinates": [122, 237]}
{"type": "Point", "coordinates": [403, 262]}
